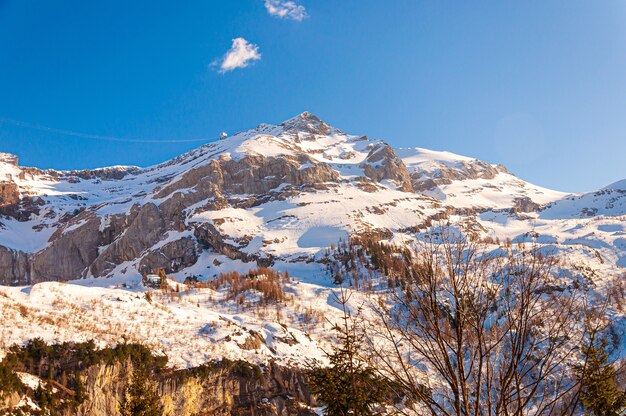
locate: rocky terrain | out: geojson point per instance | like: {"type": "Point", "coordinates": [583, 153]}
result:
{"type": "Point", "coordinates": [215, 388]}
{"type": "Point", "coordinates": [76, 247]}
{"type": "Point", "coordinates": [276, 194]}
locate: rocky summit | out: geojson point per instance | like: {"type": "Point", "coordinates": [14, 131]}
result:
{"type": "Point", "coordinates": [277, 195]}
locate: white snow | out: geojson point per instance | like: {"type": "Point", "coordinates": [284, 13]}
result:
{"type": "Point", "coordinates": [191, 327]}
{"type": "Point", "coordinates": [587, 229]}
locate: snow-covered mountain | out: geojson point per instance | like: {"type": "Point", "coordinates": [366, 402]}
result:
{"type": "Point", "coordinates": [279, 195]}
{"type": "Point", "coordinates": [287, 196]}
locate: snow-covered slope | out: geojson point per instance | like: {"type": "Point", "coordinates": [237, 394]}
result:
{"type": "Point", "coordinates": [194, 328]}
{"type": "Point", "coordinates": [276, 194]}
{"type": "Point", "coordinates": [463, 182]}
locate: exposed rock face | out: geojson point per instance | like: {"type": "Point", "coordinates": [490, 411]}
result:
{"type": "Point", "coordinates": [9, 401]}
{"type": "Point", "coordinates": [15, 269]}
{"type": "Point", "coordinates": [71, 250]}
{"type": "Point", "coordinates": [474, 170]}
{"type": "Point", "coordinates": [210, 238]}
{"type": "Point", "coordinates": [108, 173]}
{"type": "Point", "coordinates": [445, 174]}
{"type": "Point", "coordinates": [9, 193]}
{"type": "Point", "coordinates": [23, 209]}
{"type": "Point", "coordinates": [258, 174]}
{"type": "Point", "coordinates": [172, 257]}
{"type": "Point", "coordinates": [206, 181]}
{"type": "Point", "coordinates": [146, 228]}
{"type": "Point", "coordinates": [525, 204]}
{"type": "Point", "coordinates": [383, 163]}
{"type": "Point", "coordinates": [217, 388]}
{"type": "Point", "coordinates": [421, 184]}
{"type": "Point", "coordinates": [253, 174]}
{"type": "Point", "coordinates": [241, 390]}
{"type": "Point", "coordinates": [8, 158]}
{"type": "Point", "coordinates": [306, 123]}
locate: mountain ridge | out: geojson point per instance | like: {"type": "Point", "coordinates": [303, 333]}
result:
{"type": "Point", "coordinates": [275, 194]}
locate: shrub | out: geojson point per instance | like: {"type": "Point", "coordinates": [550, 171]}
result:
{"type": "Point", "coordinates": [267, 282]}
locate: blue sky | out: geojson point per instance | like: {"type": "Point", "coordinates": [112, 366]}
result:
{"type": "Point", "coordinates": [537, 85]}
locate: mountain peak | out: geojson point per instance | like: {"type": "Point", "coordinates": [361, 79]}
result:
{"type": "Point", "coordinates": [306, 123]}
{"type": "Point", "coordinates": [9, 158]}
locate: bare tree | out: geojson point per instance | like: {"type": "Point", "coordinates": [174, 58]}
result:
{"type": "Point", "coordinates": [470, 333]}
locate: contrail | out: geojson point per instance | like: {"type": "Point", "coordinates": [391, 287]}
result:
{"type": "Point", "coordinates": [93, 136]}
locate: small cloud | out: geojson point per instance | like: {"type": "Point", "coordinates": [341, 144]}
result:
{"type": "Point", "coordinates": [286, 10]}
{"type": "Point", "coordinates": [240, 55]}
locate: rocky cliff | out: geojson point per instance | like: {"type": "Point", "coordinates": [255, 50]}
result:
{"type": "Point", "coordinates": [77, 380]}
{"type": "Point", "coordinates": [276, 193]}
{"type": "Point", "coordinates": [226, 389]}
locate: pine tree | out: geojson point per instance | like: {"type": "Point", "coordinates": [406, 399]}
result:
{"type": "Point", "coordinates": [45, 399]}
{"type": "Point", "coordinates": [80, 394]}
{"type": "Point", "coordinates": [599, 393]}
{"type": "Point", "coordinates": [348, 386]}
{"type": "Point", "coordinates": [140, 397]}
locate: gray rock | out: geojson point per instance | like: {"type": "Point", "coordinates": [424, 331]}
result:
{"type": "Point", "coordinates": [14, 267]}
{"type": "Point", "coordinates": [383, 163]}
{"type": "Point", "coordinates": [145, 230]}
{"type": "Point", "coordinates": [172, 257]}
{"type": "Point", "coordinates": [524, 204]}
{"type": "Point", "coordinates": [306, 123]}
{"type": "Point", "coordinates": [69, 252]}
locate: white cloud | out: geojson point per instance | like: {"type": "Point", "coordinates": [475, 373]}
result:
{"type": "Point", "coordinates": [286, 9]}
{"type": "Point", "coordinates": [240, 55]}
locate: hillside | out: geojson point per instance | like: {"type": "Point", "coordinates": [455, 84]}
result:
{"type": "Point", "coordinates": [254, 233]}
{"type": "Point", "coordinates": [276, 194]}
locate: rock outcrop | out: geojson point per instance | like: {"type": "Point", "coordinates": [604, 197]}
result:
{"type": "Point", "coordinates": [440, 173]}
{"type": "Point", "coordinates": [383, 163]}
{"type": "Point", "coordinates": [9, 401]}
{"type": "Point", "coordinates": [72, 248]}
{"type": "Point", "coordinates": [307, 124]}
{"type": "Point", "coordinates": [171, 257]}
{"type": "Point", "coordinates": [15, 269]}
{"type": "Point", "coordinates": [8, 158]}
{"type": "Point", "coordinates": [108, 173]}
{"type": "Point", "coordinates": [146, 227]}
{"type": "Point", "coordinates": [129, 221]}
{"type": "Point", "coordinates": [252, 175]}
{"type": "Point", "coordinates": [216, 389]}
{"type": "Point", "coordinates": [524, 204]}
{"type": "Point", "coordinates": [9, 193]}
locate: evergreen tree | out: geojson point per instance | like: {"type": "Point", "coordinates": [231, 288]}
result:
{"type": "Point", "coordinates": [80, 394]}
{"type": "Point", "coordinates": [348, 386]}
{"type": "Point", "coordinates": [140, 397]}
{"type": "Point", "coordinates": [599, 393]}
{"type": "Point", "coordinates": [46, 400]}
{"type": "Point", "coordinates": [9, 381]}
